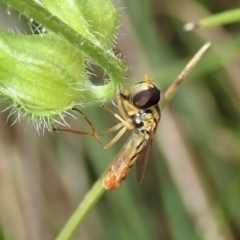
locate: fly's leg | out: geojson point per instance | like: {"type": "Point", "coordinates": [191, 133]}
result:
{"type": "Point", "coordinates": [93, 133]}
{"type": "Point", "coordinates": [120, 106]}
{"type": "Point", "coordinates": [123, 126]}
{"type": "Point", "coordinates": [128, 125]}
{"type": "Point", "coordinates": [133, 110]}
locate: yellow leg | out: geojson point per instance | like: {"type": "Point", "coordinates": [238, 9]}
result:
{"type": "Point", "coordinates": [127, 124]}
{"type": "Point", "coordinates": [116, 138]}
{"type": "Point", "coordinates": [120, 107]}
{"type": "Point", "coordinates": [112, 129]}
{"type": "Point", "coordinates": [128, 105]}
{"type": "Point", "coordinates": [94, 132]}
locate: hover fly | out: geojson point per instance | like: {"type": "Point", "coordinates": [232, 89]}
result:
{"type": "Point", "coordinates": [139, 112]}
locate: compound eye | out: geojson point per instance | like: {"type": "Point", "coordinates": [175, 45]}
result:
{"type": "Point", "coordinates": [147, 98]}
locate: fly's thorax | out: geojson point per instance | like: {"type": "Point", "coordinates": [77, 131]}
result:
{"type": "Point", "coordinates": [141, 119]}
{"type": "Point", "coordinates": [146, 121]}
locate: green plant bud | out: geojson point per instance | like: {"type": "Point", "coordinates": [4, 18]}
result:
{"type": "Point", "coordinates": [41, 75]}
{"type": "Point", "coordinates": [96, 20]}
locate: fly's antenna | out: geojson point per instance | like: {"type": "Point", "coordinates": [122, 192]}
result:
{"type": "Point", "coordinates": [148, 80]}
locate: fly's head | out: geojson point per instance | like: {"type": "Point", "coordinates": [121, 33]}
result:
{"type": "Point", "coordinates": [143, 95]}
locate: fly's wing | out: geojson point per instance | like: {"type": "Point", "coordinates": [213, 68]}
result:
{"type": "Point", "coordinates": [142, 161]}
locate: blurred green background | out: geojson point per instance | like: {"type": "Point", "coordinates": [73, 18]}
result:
{"type": "Point", "coordinates": [192, 186]}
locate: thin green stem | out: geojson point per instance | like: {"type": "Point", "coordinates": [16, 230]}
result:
{"type": "Point", "coordinates": [214, 20]}
{"type": "Point", "coordinates": [84, 207]}
{"type": "Point", "coordinates": [222, 18]}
